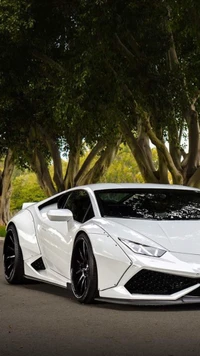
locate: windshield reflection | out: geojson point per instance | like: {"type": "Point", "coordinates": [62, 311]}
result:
{"type": "Point", "coordinates": [158, 204]}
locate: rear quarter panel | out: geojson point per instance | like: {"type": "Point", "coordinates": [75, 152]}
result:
{"type": "Point", "coordinates": [24, 224]}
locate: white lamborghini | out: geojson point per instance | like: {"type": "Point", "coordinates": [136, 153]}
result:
{"type": "Point", "coordinates": [127, 243]}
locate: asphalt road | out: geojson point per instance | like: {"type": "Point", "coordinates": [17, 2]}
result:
{"type": "Point", "coordinates": [38, 319]}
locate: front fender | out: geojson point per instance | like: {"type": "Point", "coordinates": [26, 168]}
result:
{"type": "Point", "coordinates": [111, 260]}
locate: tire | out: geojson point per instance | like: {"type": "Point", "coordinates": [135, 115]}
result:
{"type": "Point", "coordinates": [12, 258]}
{"type": "Point", "coordinates": [83, 271]}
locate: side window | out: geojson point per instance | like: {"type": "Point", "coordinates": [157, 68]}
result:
{"type": "Point", "coordinates": [80, 205]}
{"type": "Point", "coordinates": [62, 201]}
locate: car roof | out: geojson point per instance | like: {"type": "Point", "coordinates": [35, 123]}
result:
{"type": "Point", "coordinates": [102, 186]}
{"type": "Point", "coordinates": [105, 186]}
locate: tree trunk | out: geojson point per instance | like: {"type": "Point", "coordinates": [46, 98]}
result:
{"type": "Point", "coordinates": [139, 154]}
{"type": "Point", "coordinates": [86, 164]}
{"type": "Point", "coordinates": [102, 164]}
{"type": "Point", "coordinates": [73, 163]}
{"type": "Point", "coordinates": [40, 167]}
{"type": "Point", "coordinates": [57, 164]}
{"type": "Point", "coordinates": [5, 180]}
{"type": "Point", "coordinates": [192, 161]}
{"type": "Point", "coordinates": [194, 181]}
{"type": "Point", "coordinates": [176, 174]}
{"type": "Point", "coordinates": [55, 154]}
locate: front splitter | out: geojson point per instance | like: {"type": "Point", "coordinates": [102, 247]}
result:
{"type": "Point", "coordinates": [183, 300]}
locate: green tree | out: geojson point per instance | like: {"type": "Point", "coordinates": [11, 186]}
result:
{"type": "Point", "coordinates": [43, 104]}
{"type": "Point", "coordinates": [152, 53]}
{"type": "Point", "coordinates": [83, 73]}
{"type": "Point", "coordinates": [25, 188]}
{"type": "Point", "coordinates": [124, 168]}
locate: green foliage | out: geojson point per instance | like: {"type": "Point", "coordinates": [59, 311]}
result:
{"type": "Point", "coordinates": [14, 17]}
{"type": "Point", "coordinates": [25, 189]}
{"type": "Point", "coordinates": [123, 169]}
{"type": "Point", "coordinates": [2, 231]}
{"type": "Point", "coordinates": [78, 68]}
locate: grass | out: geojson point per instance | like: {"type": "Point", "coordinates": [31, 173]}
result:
{"type": "Point", "coordinates": [2, 231]}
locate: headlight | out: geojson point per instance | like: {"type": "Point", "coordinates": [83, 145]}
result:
{"type": "Point", "coordinates": [143, 249]}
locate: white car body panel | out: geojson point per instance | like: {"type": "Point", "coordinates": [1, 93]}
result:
{"type": "Point", "coordinates": [111, 261]}
{"type": "Point", "coordinates": [24, 223]}
{"type": "Point", "coordinates": [26, 205]}
{"type": "Point", "coordinates": [53, 241]}
{"type": "Point", "coordinates": [166, 235]}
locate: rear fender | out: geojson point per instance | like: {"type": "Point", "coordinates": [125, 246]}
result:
{"type": "Point", "coordinates": [25, 227]}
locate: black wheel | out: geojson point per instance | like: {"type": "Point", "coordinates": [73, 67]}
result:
{"type": "Point", "coordinates": [12, 257]}
{"type": "Point", "coordinates": [83, 271]}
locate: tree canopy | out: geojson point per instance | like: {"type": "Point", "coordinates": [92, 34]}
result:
{"type": "Point", "coordinates": [82, 75]}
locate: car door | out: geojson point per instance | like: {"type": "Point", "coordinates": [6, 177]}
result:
{"type": "Point", "coordinates": [56, 237]}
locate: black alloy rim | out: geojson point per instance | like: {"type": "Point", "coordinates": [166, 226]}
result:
{"type": "Point", "coordinates": [9, 255]}
{"type": "Point", "coordinates": [81, 269]}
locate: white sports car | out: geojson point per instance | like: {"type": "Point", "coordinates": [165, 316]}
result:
{"type": "Point", "coordinates": [127, 243]}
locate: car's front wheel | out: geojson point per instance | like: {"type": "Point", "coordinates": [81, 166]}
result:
{"type": "Point", "coordinates": [83, 270]}
{"type": "Point", "coordinates": [12, 257]}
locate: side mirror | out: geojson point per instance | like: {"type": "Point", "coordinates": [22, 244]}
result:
{"type": "Point", "coordinates": [60, 215]}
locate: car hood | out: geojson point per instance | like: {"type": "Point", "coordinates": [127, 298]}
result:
{"type": "Point", "coordinates": [175, 236]}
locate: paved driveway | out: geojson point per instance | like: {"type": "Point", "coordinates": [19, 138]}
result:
{"type": "Point", "coordinates": [38, 319]}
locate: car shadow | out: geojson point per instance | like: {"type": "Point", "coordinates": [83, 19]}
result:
{"type": "Point", "coordinates": [48, 288]}
{"type": "Point", "coordinates": [67, 294]}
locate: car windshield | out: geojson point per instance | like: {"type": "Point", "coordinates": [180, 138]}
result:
{"type": "Point", "coordinates": [157, 204]}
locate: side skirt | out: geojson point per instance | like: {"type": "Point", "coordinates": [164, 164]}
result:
{"type": "Point", "coordinates": [68, 285]}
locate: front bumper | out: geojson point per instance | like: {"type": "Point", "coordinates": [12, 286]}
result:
{"type": "Point", "coordinates": [158, 281]}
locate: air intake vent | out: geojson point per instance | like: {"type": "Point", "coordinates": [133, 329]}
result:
{"type": "Point", "coordinates": [38, 265]}
{"type": "Point", "coordinates": [150, 282]}
{"type": "Point", "coordinates": [195, 293]}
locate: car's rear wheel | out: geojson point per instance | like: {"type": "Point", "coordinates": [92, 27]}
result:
{"type": "Point", "coordinates": [12, 257]}
{"type": "Point", "coordinates": [83, 270]}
